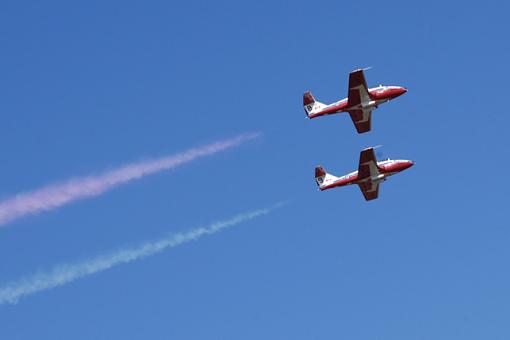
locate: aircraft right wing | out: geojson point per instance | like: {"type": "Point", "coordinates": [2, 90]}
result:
{"type": "Point", "coordinates": [357, 98]}
{"type": "Point", "coordinates": [367, 164]}
{"type": "Point", "coordinates": [367, 170]}
{"type": "Point", "coordinates": [358, 89]}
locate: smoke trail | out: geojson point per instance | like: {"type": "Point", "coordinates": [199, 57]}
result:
{"type": "Point", "coordinates": [66, 273]}
{"type": "Point", "coordinates": [56, 195]}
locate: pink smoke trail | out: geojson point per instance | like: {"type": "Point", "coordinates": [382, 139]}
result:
{"type": "Point", "coordinates": [56, 195]}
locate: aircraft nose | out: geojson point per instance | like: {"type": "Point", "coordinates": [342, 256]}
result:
{"type": "Point", "coordinates": [398, 91]}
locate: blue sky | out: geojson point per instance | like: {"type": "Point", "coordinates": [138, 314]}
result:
{"type": "Point", "coordinates": [88, 86]}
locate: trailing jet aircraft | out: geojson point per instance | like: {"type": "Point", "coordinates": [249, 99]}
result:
{"type": "Point", "coordinates": [370, 173]}
{"type": "Point", "coordinates": [360, 101]}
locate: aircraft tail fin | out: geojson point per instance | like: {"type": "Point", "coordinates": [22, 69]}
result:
{"type": "Point", "coordinates": [310, 105]}
{"type": "Point", "coordinates": [323, 178]}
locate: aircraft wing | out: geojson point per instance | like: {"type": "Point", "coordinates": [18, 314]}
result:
{"type": "Point", "coordinates": [367, 164]}
{"type": "Point", "coordinates": [358, 89]}
{"type": "Point", "coordinates": [362, 119]}
{"type": "Point", "coordinates": [369, 189]}
{"type": "Point", "coordinates": [367, 170]}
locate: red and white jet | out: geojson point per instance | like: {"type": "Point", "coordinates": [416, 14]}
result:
{"type": "Point", "coordinates": [360, 101]}
{"type": "Point", "coordinates": [370, 173]}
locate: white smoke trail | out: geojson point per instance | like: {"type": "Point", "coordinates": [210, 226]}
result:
{"type": "Point", "coordinates": [56, 195]}
{"type": "Point", "coordinates": [66, 273]}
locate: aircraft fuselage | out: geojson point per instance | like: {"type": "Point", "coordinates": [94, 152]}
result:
{"type": "Point", "coordinates": [386, 169]}
{"type": "Point", "coordinates": [378, 95]}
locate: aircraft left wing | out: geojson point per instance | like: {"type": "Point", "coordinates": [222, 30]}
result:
{"type": "Point", "coordinates": [362, 119]}
{"type": "Point", "coordinates": [369, 189]}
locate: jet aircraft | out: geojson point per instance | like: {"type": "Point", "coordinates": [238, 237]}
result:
{"type": "Point", "coordinates": [360, 101]}
{"type": "Point", "coordinates": [368, 177]}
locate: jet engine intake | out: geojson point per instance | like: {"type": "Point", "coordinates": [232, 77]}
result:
{"type": "Point", "coordinates": [370, 105]}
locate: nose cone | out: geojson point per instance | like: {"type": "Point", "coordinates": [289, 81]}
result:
{"type": "Point", "coordinates": [396, 91]}
{"type": "Point", "coordinates": [409, 164]}
{"type": "Point", "coordinates": [400, 91]}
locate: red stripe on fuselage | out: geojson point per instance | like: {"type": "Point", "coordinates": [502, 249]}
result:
{"type": "Point", "coordinates": [340, 107]}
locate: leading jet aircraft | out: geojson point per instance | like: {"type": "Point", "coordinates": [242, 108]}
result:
{"type": "Point", "coordinates": [360, 101]}
{"type": "Point", "coordinates": [368, 177]}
